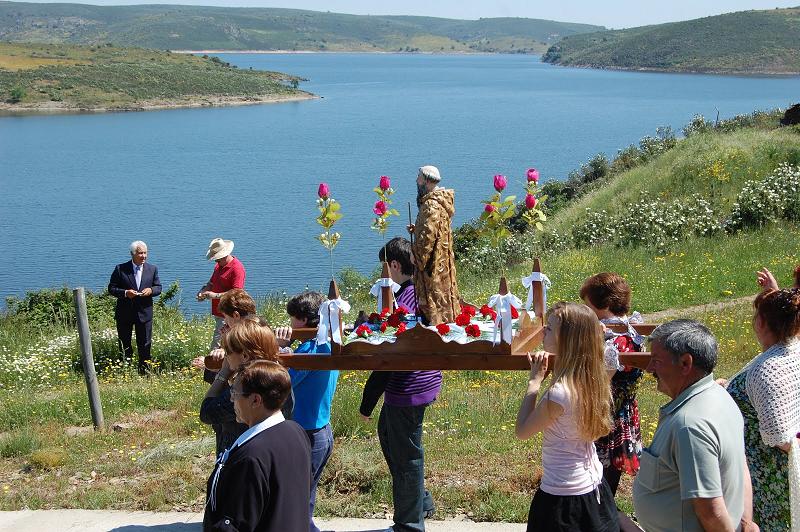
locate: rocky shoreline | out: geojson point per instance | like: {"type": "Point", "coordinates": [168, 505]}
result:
{"type": "Point", "coordinates": [151, 105]}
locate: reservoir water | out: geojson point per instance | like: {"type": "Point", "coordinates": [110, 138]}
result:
{"type": "Point", "coordinates": [77, 189]}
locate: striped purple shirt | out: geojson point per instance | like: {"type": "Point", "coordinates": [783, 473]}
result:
{"type": "Point", "coordinates": [411, 388]}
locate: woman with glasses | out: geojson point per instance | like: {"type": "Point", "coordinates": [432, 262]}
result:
{"type": "Point", "coordinates": [261, 481]}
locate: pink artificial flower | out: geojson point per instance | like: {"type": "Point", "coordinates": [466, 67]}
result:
{"type": "Point", "coordinates": [533, 175]}
{"type": "Point", "coordinates": [530, 201]}
{"type": "Point", "coordinates": [385, 183]}
{"type": "Point", "coordinates": [380, 208]}
{"type": "Point", "coordinates": [323, 191]}
{"type": "Point", "coordinates": [500, 182]}
{"type": "Point", "coordinates": [489, 208]}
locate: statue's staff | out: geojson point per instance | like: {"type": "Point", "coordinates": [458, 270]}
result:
{"type": "Point", "coordinates": [411, 233]}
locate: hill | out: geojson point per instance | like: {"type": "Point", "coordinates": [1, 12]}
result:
{"type": "Point", "coordinates": [42, 77]}
{"type": "Point", "coordinates": [747, 42]}
{"type": "Point", "coordinates": [174, 27]}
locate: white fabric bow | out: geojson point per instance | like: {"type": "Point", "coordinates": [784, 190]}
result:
{"type": "Point", "coordinates": [329, 320]}
{"type": "Point", "coordinates": [377, 292]}
{"type": "Point", "coordinates": [502, 305]}
{"type": "Point", "coordinates": [527, 282]}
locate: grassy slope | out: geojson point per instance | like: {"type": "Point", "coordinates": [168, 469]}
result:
{"type": "Point", "coordinates": [745, 154]}
{"type": "Point", "coordinates": [189, 27]}
{"type": "Point", "coordinates": [744, 42]}
{"type": "Point", "coordinates": [103, 76]}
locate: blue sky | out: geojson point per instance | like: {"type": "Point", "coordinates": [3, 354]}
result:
{"type": "Point", "coordinates": [612, 14]}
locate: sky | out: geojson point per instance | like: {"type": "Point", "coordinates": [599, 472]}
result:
{"type": "Point", "coordinates": [609, 13]}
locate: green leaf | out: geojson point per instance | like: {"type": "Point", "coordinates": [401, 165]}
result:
{"type": "Point", "coordinates": [334, 206]}
{"type": "Point", "coordinates": [539, 226]}
{"type": "Point", "coordinates": [394, 212]}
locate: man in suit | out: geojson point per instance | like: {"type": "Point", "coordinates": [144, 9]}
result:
{"type": "Point", "coordinates": [134, 284]}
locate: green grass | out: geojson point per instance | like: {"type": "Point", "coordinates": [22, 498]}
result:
{"type": "Point", "coordinates": [111, 77]}
{"type": "Point", "coordinates": [745, 42]}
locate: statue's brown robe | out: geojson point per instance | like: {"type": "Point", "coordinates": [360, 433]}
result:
{"type": "Point", "coordinates": [435, 275]}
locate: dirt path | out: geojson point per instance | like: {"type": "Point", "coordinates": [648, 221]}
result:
{"type": "Point", "coordinates": [663, 315]}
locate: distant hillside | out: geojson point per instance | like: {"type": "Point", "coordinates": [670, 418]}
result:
{"type": "Point", "coordinates": [748, 42]}
{"type": "Point", "coordinates": [175, 27]}
{"type": "Point", "coordinates": [42, 77]}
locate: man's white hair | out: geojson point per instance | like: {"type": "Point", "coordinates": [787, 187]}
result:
{"type": "Point", "coordinates": [136, 244]}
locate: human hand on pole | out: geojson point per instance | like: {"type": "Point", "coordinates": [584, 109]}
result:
{"type": "Point", "coordinates": [283, 335]}
{"type": "Point", "coordinates": [538, 362]}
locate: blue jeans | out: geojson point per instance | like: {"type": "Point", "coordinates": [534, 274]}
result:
{"type": "Point", "coordinates": [400, 434]}
{"type": "Point", "coordinates": [321, 449]}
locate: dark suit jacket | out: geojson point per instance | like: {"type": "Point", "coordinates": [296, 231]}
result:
{"type": "Point", "coordinates": [139, 309]}
{"type": "Point", "coordinates": [265, 485]}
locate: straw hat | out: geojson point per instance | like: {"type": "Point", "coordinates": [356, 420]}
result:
{"type": "Point", "coordinates": [219, 249]}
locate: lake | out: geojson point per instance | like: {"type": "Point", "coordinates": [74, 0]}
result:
{"type": "Point", "coordinates": [77, 189]}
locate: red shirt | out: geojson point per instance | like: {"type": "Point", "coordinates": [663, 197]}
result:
{"type": "Point", "coordinates": [226, 278]}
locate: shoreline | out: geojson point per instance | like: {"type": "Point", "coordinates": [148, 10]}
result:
{"type": "Point", "coordinates": [386, 52]}
{"type": "Point", "coordinates": [45, 108]}
{"type": "Point", "coordinates": [741, 73]}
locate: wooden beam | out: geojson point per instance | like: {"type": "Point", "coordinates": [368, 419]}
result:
{"type": "Point", "coordinates": [409, 362]}
{"type": "Point", "coordinates": [642, 328]}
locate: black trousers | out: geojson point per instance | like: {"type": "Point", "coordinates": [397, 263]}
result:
{"type": "Point", "coordinates": [144, 333]}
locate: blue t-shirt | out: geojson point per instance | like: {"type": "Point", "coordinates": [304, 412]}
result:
{"type": "Point", "coordinates": [313, 390]}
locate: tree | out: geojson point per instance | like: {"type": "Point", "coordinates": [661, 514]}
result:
{"type": "Point", "coordinates": [17, 94]}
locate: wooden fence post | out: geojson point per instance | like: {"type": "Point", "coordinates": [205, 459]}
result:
{"type": "Point", "coordinates": [87, 360]}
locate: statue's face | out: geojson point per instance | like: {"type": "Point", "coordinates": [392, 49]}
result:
{"type": "Point", "coordinates": [422, 188]}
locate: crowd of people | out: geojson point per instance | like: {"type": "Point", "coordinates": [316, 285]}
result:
{"type": "Point", "coordinates": [717, 442]}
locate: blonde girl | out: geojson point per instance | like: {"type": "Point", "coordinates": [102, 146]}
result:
{"type": "Point", "coordinates": [573, 412]}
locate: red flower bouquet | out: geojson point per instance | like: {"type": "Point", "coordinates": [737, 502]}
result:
{"type": "Point", "coordinates": [363, 331]}
{"type": "Point", "coordinates": [473, 330]}
{"type": "Point", "coordinates": [487, 311]}
{"type": "Point", "coordinates": [462, 319]}
{"type": "Point", "coordinates": [443, 328]}
{"type": "Point", "coordinates": [400, 329]}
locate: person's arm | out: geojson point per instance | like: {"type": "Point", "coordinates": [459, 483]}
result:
{"type": "Point", "coordinates": [712, 514]}
{"type": "Point", "coordinates": [373, 389]}
{"type": "Point", "coordinates": [116, 287]}
{"type": "Point", "coordinates": [155, 288]}
{"type": "Point", "coordinates": [766, 394]}
{"type": "Point", "coordinates": [220, 381]}
{"type": "Point", "coordinates": [533, 418]}
{"type": "Point", "coordinates": [747, 524]}
{"type": "Point", "coordinates": [217, 410]}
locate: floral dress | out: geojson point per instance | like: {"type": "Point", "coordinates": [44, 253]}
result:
{"type": "Point", "coordinates": [768, 464]}
{"type": "Point", "coordinates": [623, 445]}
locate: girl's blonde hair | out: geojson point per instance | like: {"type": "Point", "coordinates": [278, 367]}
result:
{"type": "Point", "coordinates": [253, 339]}
{"type": "Point", "coordinates": [580, 368]}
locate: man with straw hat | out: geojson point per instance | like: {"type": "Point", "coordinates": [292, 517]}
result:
{"type": "Point", "coordinates": [228, 274]}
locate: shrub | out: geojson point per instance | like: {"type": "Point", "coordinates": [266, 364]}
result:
{"type": "Point", "coordinates": [18, 444]}
{"type": "Point", "coordinates": [17, 94]}
{"type": "Point", "coordinates": [49, 458]}
{"type": "Point", "coordinates": [773, 198]}
{"type": "Point", "coordinates": [698, 125]}
{"type": "Point", "coordinates": [648, 222]}
{"type": "Point", "coordinates": [56, 306]}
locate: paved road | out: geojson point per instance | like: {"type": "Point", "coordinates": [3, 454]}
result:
{"type": "Point", "coordinates": [104, 521]}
